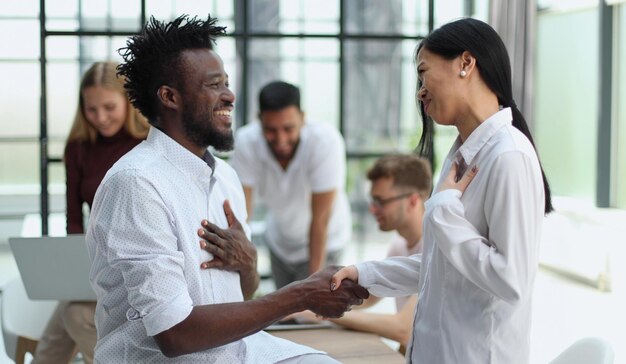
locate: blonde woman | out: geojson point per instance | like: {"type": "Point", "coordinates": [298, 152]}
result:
{"type": "Point", "coordinates": [106, 127]}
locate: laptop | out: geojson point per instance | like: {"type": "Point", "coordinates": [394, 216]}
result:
{"type": "Point", "coordinates": [54, 268]}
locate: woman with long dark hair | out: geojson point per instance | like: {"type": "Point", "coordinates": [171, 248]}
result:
{"type": "Point", "coordinates": [482, 225]}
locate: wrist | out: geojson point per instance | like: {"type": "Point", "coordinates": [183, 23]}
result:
{"type": "Point", "coordinates": [299, 293]}
{"type": "Point", "coordinates": [249, 271]}
{"type": "Point", "coordinates": [291, 298]}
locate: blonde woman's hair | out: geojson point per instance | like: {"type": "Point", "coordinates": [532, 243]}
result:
{"type": "Point", "coordinates": [104, 74]}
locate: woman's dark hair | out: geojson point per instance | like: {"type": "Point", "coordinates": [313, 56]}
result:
{"type": "Point", "coordinates": [152, 57]}
{"type": "Point", "coordinates": [492, 62]}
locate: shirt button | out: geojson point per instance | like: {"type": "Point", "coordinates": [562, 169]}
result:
{"type": "Point", "coordinates": [132, 314]}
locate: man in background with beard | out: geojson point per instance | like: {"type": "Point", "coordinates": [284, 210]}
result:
{"type": "Point", "coordinates": [158, 290]}
{"type": "Point", "coordinates": [297, 168]}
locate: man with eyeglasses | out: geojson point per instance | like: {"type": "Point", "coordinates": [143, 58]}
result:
{"type": "Point", "coordinates": [400, 184]}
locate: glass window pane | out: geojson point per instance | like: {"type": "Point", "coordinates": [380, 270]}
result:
{"type": "Point", "coordinates": [56, 146]}
{"type": "Point", "coordinates": [315, 79]}
{"type": "Point", "coordinates": [447, 10]}
{"type": "Point", "coordinates": [20, 110]}
{"type": "Point", "coordinates": [62, 48]}
{"type": "Point", "coordinates": [56, 177]}
{"type": "Point", "coordinates": [19, 166]}
{"type": "Point", "coordinates": [161, 9]}
{"type": "Point", "coordinates": [357, 188]}
{"type": "Point", "coordinates": [93, 12]}
{"type": "Point", "coordinates": [307, 16]}
{"type": "Point", "coordinates": [196, 7]}
{"type": "Point", "coordinates": [102, 48]}
{"type": "Point", "coordinates": [125, 15]}
{"type": "Point", "coordinates": [380, 112]}
{"type": "Point", "coordinates": [225, 47]}
{"type": "Point", "coordinates": [565, 5]}
{"type": "Point", "coordinates": [61, 9]}
{"type": "Point", "coordinates": [415, 17]}
{"type": "Point", "coordinates": [19, 8]}
{"type": "Point", "coordinates": [223, 10]}
{"type": "Point", "coordinates": [69, 24]}
{"type": "Point", "coordinates": [170, 9]}
{"type": "Point", "coordinates": [311, 64]}
{"type": "Point", "coordinates": [382, 17]}
{"type": "Point", "coordinates": [444, 137]}
{"type": "Point", "coordinates": [94, 15]}
{"type": "Point", "coordinates": [565, 114]}
{"type": "Point", "coordinates": [263, 16]}
{"type": "Point", "coordinates": [294, 17]}
{"type": "Point", "coordinates": [63, 82]}
{"type": "Point", "coordinates": [88, 48]}
{"type": "Point", "coordinates": [24, 46]}
{"type": "Point", "coordinates": [481, 10]}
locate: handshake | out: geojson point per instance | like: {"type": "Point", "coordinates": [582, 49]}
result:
{"type": "Point", "coordinates": [327, 294]}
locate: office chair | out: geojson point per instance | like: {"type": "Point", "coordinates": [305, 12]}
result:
{"type": "Point", "coordinates": [23, 320]}
{"type": "Point", "coordinates": [589, 350]}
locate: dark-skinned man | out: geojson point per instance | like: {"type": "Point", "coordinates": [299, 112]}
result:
{"type": "Point", "coordinates": [159, 294]}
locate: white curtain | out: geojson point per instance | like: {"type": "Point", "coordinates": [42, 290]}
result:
{"type": "Point", "coordinates": [515, 21]}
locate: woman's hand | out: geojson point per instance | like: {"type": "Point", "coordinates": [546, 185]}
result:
{"type": "Point", "coordinates": [348, 272]}
{"type": "Point", "coordinates": [450, 182]}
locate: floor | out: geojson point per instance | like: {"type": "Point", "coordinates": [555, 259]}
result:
{"type": "Point", "coordinates": [564, 310]}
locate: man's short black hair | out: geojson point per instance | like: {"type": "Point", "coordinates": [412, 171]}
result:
{"type": "Point", "coordinates": [152, 57]}
{"type": "Point", "coordinates": [278, 95]}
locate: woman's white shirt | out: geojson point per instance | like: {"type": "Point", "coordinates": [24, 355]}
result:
{"type": "Point", "coordinates": [476, 272]}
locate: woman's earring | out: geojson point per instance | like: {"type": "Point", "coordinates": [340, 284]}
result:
{"type": "Point", "coordinates": [463, 73]}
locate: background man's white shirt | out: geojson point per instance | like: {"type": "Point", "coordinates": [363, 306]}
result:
{"type": "Point", "coordinates": [319, 165]}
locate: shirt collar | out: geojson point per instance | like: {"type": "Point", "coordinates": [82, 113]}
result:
{"type": "Point", "coordinates": [180, 157]}
{"type": "Point", "coordinates": [479, 137]}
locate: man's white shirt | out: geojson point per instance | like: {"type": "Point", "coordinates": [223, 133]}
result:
{"type": "Point", "coordinates": [319, 165]}
{"type": "Point", "coordinates": [142, 240]}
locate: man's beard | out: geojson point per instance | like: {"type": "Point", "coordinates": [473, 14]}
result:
{"type": "Point", "coordinates": [203, 133]}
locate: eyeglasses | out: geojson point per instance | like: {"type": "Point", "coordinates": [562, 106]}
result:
{"type": "Point", "coordinates": [381, 202]}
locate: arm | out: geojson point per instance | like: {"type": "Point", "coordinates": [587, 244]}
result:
{"type": "Point", "coordinates": [74, 205]}
{"type": "Point", "coordinates": [310, 317]}
{"type": "Point", "coordinates": [321, 206]}
{"type": "Point", "coordinates": [231, 250]}
{"type": "Point", "coordinates": [397, 326]}
{"type": "Point", "coordinates": [153, 271]}
{"type": "Point", "coordinates": [237, 320]}
{"type": "Point", "coordinates": [247, 191]}
{"type": "Point", "coordinates": [327, 174]}
{"type": "Point", "coordinates": [391, 277]}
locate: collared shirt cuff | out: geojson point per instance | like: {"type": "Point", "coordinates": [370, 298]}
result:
{"type": "Point", "coordinates": [366, 277]}
{"type": "Point", "coordinates": [169, 315]}
{"type": "Point", "coordinates": [443, 198]}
